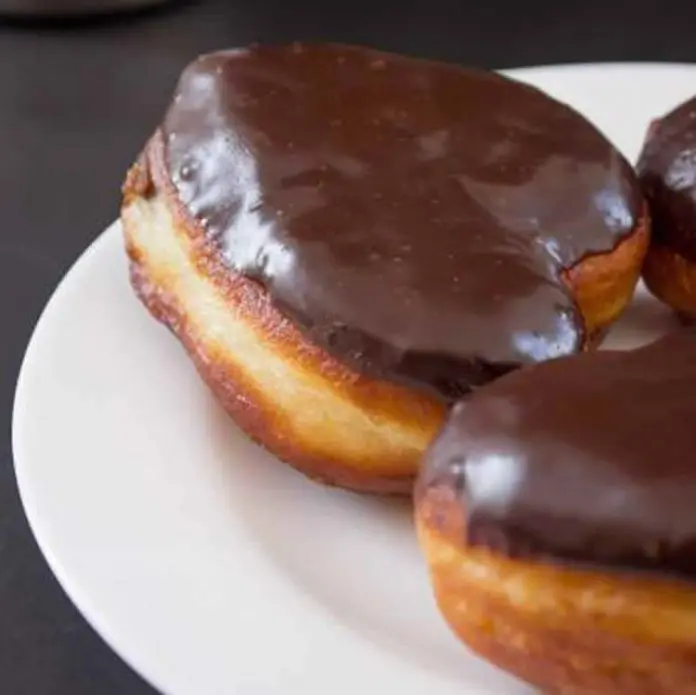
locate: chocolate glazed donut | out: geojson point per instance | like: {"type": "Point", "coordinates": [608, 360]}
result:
{"type": "Point", "coordinates": [346, 240]}
{"type": "Point", "coordinates": [557, 512]}
{"type": "Point", "coordinates": [667, 168]}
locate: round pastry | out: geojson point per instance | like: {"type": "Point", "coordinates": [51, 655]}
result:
{"type": "Point", "coordinates": [667, 170]}
{"type": "Point", "coordinates": [557, 512]}
{"type": "Point", "coordinates": [346, 240]}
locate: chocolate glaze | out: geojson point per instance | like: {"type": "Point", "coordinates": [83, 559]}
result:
{"type": "Point", "coordinates": [411, 217]}
{"type": "Point", "coordinates": [588, 458]}
{"type": "Point", "coordinates": [667, 170]}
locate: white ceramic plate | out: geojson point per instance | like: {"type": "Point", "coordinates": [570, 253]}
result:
{"type": "Point", "coordinates": [206, 564]}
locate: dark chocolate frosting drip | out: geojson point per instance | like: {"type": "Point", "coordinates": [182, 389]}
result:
{"type": "Point", "coordinates": [411, 217]}
{"type": "Point", "coordinates": [667, 170]}
{"type": "Point", "coordinates": [586, 459]}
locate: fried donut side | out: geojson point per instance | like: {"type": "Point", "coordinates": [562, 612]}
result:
{"type": "Point", "coordinates": [291, 396]}
{"type": "Point", "coordinates": [567, 631]}
{"type": "Point", "coordinates": [603, 284]}
{"type": "Point", "coordinates": [672, 279]}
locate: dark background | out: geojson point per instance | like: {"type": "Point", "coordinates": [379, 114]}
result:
{"type": "Point", "coordinates": [76, 103]}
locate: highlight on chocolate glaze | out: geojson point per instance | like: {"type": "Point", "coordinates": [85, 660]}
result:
{"type": "Point", "coordinates": [556, 512]}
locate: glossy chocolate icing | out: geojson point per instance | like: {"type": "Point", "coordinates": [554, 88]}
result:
{"type": "Point", "coordinates": [588, 459]}
{"type": "Point", "coordinates": [667, 170]}
{"type": "Point", "coordinates": [411, 217]}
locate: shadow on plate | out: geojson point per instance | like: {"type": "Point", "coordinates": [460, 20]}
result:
{"type": "Point", "coordinates": [355, 555]}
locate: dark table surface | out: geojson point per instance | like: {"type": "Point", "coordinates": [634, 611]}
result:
{"type": "Point", "coordinates": [76, 103]}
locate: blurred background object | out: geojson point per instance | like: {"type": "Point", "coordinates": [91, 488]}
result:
{"type": "Point", "coordinates": [70, 8]}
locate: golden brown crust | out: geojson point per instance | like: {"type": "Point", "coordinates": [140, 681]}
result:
{"type": "Point", "coordinates": [603, 284]}
{"type": "Point", "coordinates": [376, 440]}
{"type": "Point", "coordinates": [566, 630]}
{"type": "Point", "coordinates": [672, 279]}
